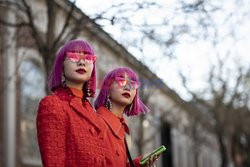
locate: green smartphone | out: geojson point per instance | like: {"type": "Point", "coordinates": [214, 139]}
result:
{"type": "Point", "coordinates": [157, 151]}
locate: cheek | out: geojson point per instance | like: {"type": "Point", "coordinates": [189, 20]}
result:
{"type": "Point", "coordinates": [89, 68]}
{"type": "Point", "coordinates": [113, 93]}
{"type": "Point", "coordinates": [114, 86]}
{"type": "Point", "coordinates": [66, 68]}
{"type": "Point", "coordinates": [133, 93]}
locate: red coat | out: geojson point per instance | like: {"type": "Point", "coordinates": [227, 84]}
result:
{"type": "Point", "coordinates": [69, 132]}
{"type": "Point", "coordinates": [115, 138]}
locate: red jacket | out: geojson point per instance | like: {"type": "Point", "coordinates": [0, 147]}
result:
{"type": "Point", "coordinates": [115, 138]}
{"type": "Point", "coordinates": [69, 132]}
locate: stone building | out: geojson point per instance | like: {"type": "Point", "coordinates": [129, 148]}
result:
{"type": "Point", "coordinates": [22, 85]}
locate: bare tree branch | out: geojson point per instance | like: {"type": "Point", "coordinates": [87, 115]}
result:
{"type": "Point", "coordinates": [21, 24]}
{"type": "Point", "coordinates": [14, 4]}
{"type": "Point", "coordinates": [35, 32]}
{"type": "Point", "coordinates": [66, 24]}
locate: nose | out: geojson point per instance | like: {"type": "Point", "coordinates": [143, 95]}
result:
{"type": "Point", "coordinates": [127, 87]}
{"type": "Point", "coordinates": [81, 62]}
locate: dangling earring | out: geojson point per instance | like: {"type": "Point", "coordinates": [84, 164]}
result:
{"type": "Point", "coordinates": [63, 81]}
{"type": "Point", "coordinates": [108, 103]}
{"type": "Point", "coordinates": [88, 88]}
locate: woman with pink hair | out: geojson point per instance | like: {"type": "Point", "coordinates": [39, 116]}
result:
{"type": "Point", "coordinates": [69, 131]}
{"type": "Point", "coordinates": [118, 96]}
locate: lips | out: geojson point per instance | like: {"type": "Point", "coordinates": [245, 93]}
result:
{"type": "Point", "coordinates": [127, 95]}
{"type": "Point", "coordinates": [81, 71]}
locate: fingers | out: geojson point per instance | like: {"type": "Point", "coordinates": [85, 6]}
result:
{"type": "Point", "coordinates": [151, 161]}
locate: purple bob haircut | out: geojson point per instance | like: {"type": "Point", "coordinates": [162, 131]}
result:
{"type": "Point", "coordinates": [55, 78]}
{"type": "Point", "coordinates": [138, 106]}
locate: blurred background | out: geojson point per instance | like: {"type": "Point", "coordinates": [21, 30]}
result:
{"type": "Point", "coordinates": [191, 55]}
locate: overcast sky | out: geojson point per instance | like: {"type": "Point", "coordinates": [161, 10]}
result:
{"type": "Point", "coordinates": [194, 59]}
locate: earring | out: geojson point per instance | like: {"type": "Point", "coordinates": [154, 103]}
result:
{"type": "Point", "coordinates": [88, 88]}
{"type": "Point", "coordinates": [63, 80]}
{"type": "Point", "coordinates": [108, 103]}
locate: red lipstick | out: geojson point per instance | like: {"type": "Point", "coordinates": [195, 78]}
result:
{"type": "Point", "coordinates": [127, 95]}
{"type": "Point", "coordinates": [81, 71]}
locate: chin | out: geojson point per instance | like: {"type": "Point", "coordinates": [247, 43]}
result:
{"type": "Point", "coordinates": [78, 80]}
{"type": "Point", "coordinates": [82, 78]}
{"type": "Point", "coordinates": [125, 102]}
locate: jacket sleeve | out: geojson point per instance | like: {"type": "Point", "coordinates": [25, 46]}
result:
{"type": "Point", "coordinates": [51, 132]}
{"type": "Point", "coordinates": [136, 162]}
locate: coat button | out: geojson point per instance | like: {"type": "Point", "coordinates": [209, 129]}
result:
{"type": "Point", "coordinates": [92, 131]}
{"type": "Point", "coordinates": [117, 152]}
{"type": "Point", "coordinates": [102, 137]}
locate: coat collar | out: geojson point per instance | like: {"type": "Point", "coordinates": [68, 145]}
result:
{"type": "Point", "coordinates": [116, 124]}
{"type": "Point", "coordinates": [66, 93]}
{"type": "Point", "coordinates": [79, 103]}
{"type": "Point", "coordinates": [77, 93]}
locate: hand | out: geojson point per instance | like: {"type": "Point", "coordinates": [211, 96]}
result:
{"type": "Point", "coordinates": [151, 161]}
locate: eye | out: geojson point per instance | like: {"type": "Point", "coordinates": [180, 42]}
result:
{"type": "Point", "coordinates": [133, 82]}
{"type": "Point", "coordinates": [122, 82]}
{"type": "Point", "coordinates": [88, 57]}
{"type": "Point", "coordinates": [72, 55]}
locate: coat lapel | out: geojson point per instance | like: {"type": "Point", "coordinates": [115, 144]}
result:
{"type": "Point", "coordinates": [80, 106]}
{"type": "Point", "coordinates": [116, 125]}
{"type": "Point", "coordinates": [89, 114]}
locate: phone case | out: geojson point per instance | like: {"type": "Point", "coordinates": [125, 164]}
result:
{"type": "Point", "coordinates": [157, 151]}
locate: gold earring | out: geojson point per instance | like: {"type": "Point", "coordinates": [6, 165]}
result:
{"type": "Point", "coordinates": [108, 103]}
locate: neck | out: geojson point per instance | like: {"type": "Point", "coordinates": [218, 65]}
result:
{"type": "Point", "coordinates": [117, 109]}
{"type": "Point", "coordinates": [74, 85]}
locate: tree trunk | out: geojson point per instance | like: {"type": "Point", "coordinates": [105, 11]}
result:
{"type": "Point", "coordinates": [223, 150]}
{"type": "Point", "coordinates": [48, 63]}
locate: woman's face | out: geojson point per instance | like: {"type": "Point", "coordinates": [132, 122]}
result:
{"type": "Point", "coordinates": [121, 92]}
{"type": "Point", "coordinates": [78, 67]}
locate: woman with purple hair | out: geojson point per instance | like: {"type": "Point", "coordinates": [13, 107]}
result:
{"type": "Point", "coordinates": [69, 131]}
{"type": "Point", "coordinates": [118, 96]}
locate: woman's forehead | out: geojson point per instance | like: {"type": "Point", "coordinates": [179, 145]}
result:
{"type": "Point", "coordinates": [126, 76]}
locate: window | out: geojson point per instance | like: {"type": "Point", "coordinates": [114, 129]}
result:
{"type": "Point", "coordinates": [166, 140]}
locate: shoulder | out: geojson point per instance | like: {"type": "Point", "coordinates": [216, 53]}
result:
{"type": "Point", "coordinates": [50, 111]}
{"type": "Point", "coordinates": [49, 100]}
{"type": "Point", "coordinates": [50, 104]}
